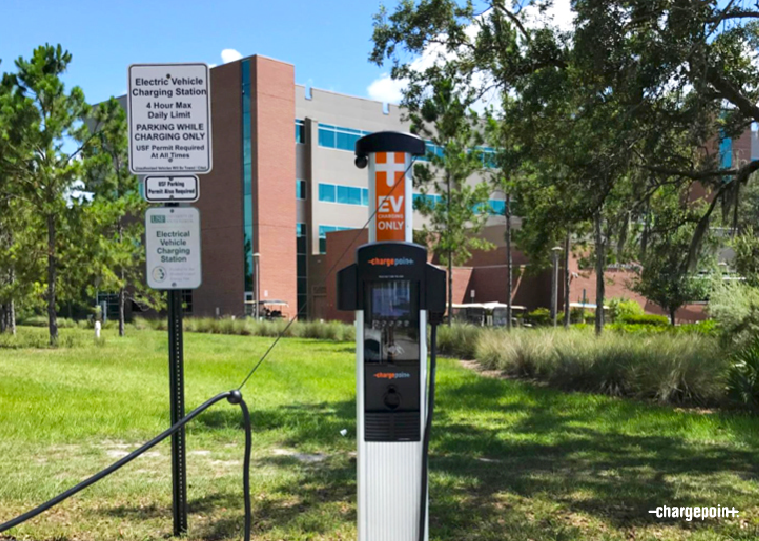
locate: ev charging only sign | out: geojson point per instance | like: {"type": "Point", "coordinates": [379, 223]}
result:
{"type": "Point", "coordinates": [169, 118]}
{"type": "Point", "coordinates": [172, 243]}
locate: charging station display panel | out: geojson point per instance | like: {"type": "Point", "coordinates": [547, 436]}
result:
{"type": "Point", "coordinates": [392, 324]}
{"type": "Point", "coordinates": [392, 360]}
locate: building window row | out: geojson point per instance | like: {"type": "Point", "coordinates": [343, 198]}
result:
{"type": "Point", "coordinates": [346, 195]}
{"type": "Point", "coordinates": [487, 154]}
{"type": "Point", "coordinates": [343, 138]}
{"type": "Point", "coordinates": [323, 230]}
{"type": "Point", "coordinates": [300, 132]}
{"type": "Point", "coordinates": [301, 190]}
{"type": "Point", "coordinates": [338, 137]}
{"type": "Point", "coordinates": [247, 180]}
{"type": "Point", "coordinates": [302, 243]}
{"type": "Point", "coordinates": [495, 206]}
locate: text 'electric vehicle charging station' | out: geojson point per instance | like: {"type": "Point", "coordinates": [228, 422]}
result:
{"type": "Point", "coordinates": [395, 294]}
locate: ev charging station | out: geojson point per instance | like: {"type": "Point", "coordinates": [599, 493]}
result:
{"type": "Point", "coordinates": [395, 293]}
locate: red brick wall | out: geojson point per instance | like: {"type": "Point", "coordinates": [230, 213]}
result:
{"type": "Point", "coordinates": [618, 285]}
{"type": "Point", "coordinates": [742, 148]}
{"type": "Point", "coordinates": [220, 201]}
{"type": "Point", "coordinates": [273, 182]}
{"type": "Point", "coordinates": [462, 284]}
{"type": "Point", "coordinates": [341, 252]}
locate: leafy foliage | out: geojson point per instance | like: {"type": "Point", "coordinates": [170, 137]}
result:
{"type": "Point", "coordinates": [743, 379]}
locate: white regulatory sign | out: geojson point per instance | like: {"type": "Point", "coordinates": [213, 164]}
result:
{"type": "Point", "coordinates": [173, 189]}
{"type": "Point", "coordinates": [172, 244]}
{"type": "Point", "coordinates": [169, 109]}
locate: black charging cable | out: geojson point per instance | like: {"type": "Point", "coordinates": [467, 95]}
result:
{"type": "Point", "coordinates": [233, 397]}
{"type": "Point", "coordinates": [427, 430]}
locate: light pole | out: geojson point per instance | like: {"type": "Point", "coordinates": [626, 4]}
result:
{"type": "Point", "coordinates": [256, 270]}
{"type": "Point", "coordinates": [555, 282]}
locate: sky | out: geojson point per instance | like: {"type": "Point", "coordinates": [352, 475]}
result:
{"type": "Point", "coordinates": [328, 41]}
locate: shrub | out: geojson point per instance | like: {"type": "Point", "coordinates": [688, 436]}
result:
{"type": "Point", "coordinates": [707, 327]}
{"type": "Point", "coordinates": [646, 319]}
{"type": "Point", "coordinates": [331, 330]}
{"type": "Point", "coordinates": [38, 339]}
{"type": "Point", "coordinates": [662, 366]}
{"type": "Point", "coordinates": [458, 340]}
{"type": "Point", "coordinates": [42, 321]}
{"type": "Point", "coordinates": [743, 378]}
{"type": "Point", "coordinates": [140, 323]}
{"type": "Point", "coordinates": [620, 308]}
{"type": "Point", "coordinates": [628, 328]}
{"type": "Point", "coordinates": [735, 307]}
{"type": "Point", "coordinates": [539, 317]}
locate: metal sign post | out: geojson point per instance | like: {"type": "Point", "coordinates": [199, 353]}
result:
{"type": "Point", "coordinates": [176, 398]}
{"type": "Point", "coordinates": [169, 112]}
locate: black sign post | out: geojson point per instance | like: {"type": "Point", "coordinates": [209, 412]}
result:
{"type": "Point", "coordinates": [176, 394]}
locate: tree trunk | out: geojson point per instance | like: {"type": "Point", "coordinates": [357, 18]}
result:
{"type": "Point", "coordinates": [567, 278]}
{"type": "Point", "coordinates": [600, 266]}
{"type": "Point", "coordinates": [509, 275]}
{"type": "Point", "coordinates": [11, 307]}
{"type": "Point", "coordinates": [3, 318]}
{"type": "Point", "coordinates": [450, 288]}
{"type": "Point", "coordinates": [672, 317]}
{"type": "Point", "coordinates": [12, 317]}
{"type": "Point", "coordinates": [51, 277]}
{"type": "Point", "coordinates": [450, 255]}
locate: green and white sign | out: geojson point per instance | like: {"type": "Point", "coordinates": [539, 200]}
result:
{"type": "Point", "coordinates": [172, 244]}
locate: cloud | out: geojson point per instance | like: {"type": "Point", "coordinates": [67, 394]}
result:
{"type": "Point", "coordinates": [230, 55]}
{"type": "Point", "coordinates": [558, 14]}
{"type": "Point", "coordinates": [386, 89]}
{"type": "Point", "coordinates": [211, 65]}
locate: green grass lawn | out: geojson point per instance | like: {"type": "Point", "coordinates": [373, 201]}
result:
{"type": "Point", "coordinates": [509, 460]}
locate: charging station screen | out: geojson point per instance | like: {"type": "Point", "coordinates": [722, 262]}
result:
{"type": "Point", "coordinates": [391, 330]}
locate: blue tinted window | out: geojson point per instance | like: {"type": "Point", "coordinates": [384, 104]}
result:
{"type": "Point", "coordinates": [347, 141]}
{"type": "Point", "coordinates": [300, 189]}
{"type": "Point", "coordinates": [497, 207]}
{"type": "Point", "coordinates": [339, 137]}
{"type": "Point", "coordinates": [300, 131]}
{"type": "Point", "coordinates": [327, 193]}
{"type": "Point", "coordinates": [348, 195]}
{"type": "Point", "coordinates": [326, 137]}
{"type": "Point", "coordinates": [247, 205]}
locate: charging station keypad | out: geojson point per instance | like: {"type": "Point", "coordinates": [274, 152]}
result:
{"type": "Point", "coordinates": [391, 360]}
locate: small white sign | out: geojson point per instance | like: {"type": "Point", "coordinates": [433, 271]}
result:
{"type": "Point", "coordinates": [174, 189]}
{"type": "Point", "coordinates": [172, 244]}
{"type": "Point", "coordinates": [169, 110]}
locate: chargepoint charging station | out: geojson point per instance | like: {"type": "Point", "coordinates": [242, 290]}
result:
{"type": "Point", "coordinates": [395, 294]}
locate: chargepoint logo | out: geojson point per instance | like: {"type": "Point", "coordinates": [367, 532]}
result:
{"type": "Point", "coordinates": [391, 261]}
{"type": "Point", "coordinates": [392, 375]}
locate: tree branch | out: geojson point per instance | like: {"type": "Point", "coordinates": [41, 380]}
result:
{"type": "Point", "coordinates": [728, 91]}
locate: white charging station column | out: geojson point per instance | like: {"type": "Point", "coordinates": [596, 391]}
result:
{"type": "Point", "coordinates": [389, 472]}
